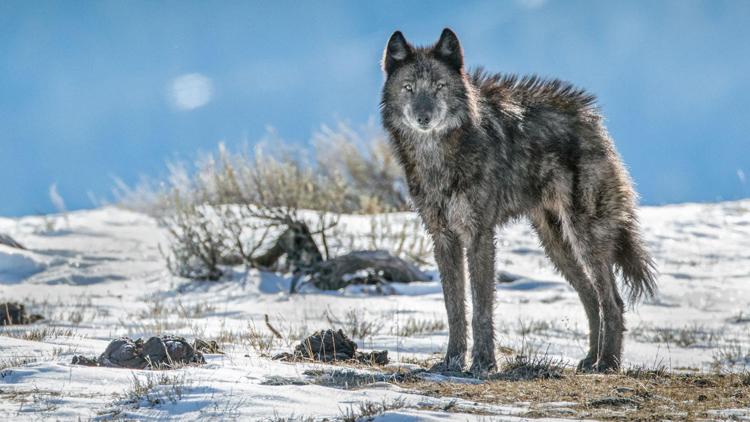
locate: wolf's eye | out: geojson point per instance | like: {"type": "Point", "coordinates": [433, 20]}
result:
{"type": "Point", "coordinates": [408, 87]}
{"type": "Point", "coordinates": [440, 85]}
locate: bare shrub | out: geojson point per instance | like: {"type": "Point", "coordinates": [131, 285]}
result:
{"type": "Point", "coordinates": [197, 243]}
{"type": "Point", "coordinates": [350, 176]}
{"type": "Point", "coordinates": [227, 207]}
{"type": "Point", "coordinates": [368, 166]}
{"type": "Point", "coordinates": [225, 212]}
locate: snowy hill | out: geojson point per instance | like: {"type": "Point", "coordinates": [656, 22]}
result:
{"type": "Point", "coordinates": [97, 275]}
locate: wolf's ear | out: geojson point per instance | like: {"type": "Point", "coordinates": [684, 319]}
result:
{"type": "Point", "coordinates": [396, 52]}
{"type": "Point", "coordinates": [448, 49]}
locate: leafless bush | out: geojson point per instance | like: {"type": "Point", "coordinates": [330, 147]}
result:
{"type": "Point", "coordinates": [226, 212]}
{"type": "Point", "coordinates": [368, 166]}
{"type": "Point", "coordinates": [228, 207]}
{"type": "Point", "coordinates": [351, 173]}
{"type": "Point", "coordinates": [197, 242]}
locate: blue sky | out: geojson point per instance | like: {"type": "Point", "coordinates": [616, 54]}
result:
{"type": "Point", "coordinates": [87, 89]}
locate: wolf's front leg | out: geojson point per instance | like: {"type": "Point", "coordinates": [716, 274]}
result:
{"type": "Point", "coordinates": [449, 256]}
{"type": "Point", "coordinates": [482, 273]}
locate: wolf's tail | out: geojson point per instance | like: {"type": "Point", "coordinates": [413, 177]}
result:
{"type": "Point", "coordinates": [636, 265]}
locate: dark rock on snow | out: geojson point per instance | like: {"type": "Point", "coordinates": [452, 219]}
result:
{"type": "Point", "coordinates": [364, 267]}
{"type": "Point", "coordinates": [156, 353]}
{"type": "Point", "coordinates": [331, 346]}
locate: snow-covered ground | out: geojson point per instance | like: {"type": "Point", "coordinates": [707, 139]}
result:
{"type": "Point", "coordinates": [97, 275]}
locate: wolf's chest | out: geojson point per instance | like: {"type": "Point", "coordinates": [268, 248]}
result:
{"type": "Point", "coordinates": [444, 207]}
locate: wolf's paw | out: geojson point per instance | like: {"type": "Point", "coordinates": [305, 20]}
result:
{"type": "Point", "coordinates": [451, 364]}
{"type": "Point", "coordinates": [586, 365]}
{"type": "Point", "coordinates": [481, 367]}
{"type": "Point", "coordinates": [607, 365]}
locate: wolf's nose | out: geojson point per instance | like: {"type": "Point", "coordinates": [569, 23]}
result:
{"type": "Point", "coordinates": [423, 120]}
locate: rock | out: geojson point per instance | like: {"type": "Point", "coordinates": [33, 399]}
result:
{"type": "Point", "coordinates": [13, 313]}
{"type": "Point", "coordinates": [326, 346]}
{"type": "Point", "coordinates": [364, 267]}
{"type": "Point", "coordinates": [284, 356]}
{"type": "Point", "coordinates": [168, 351]}
{"type": "Point", "coordinates": [331, 346]}
{"type": "Point", "coordinates": [206, 346]}
{"type": "Point", "coordinates": [85, 361]}
{"type": "Point", "coordinates": [373, 358]}
{"type": "Point", "coordinates": [124, 353]}
{"type": "Point", "coordinates": [156, 353]}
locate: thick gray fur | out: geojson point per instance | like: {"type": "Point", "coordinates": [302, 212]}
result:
{"type": "Point", "coordinates": [480, 149]}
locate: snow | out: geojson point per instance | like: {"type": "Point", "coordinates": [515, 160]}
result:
{"type": "Point", "coordinates": [97, 273]}
{"type": "Point", "coordinates": [17, 264]}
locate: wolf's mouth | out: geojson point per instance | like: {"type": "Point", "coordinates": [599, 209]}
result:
{"type": "Point", "coordinates": [434, 123]}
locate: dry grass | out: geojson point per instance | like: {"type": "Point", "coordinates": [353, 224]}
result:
{"type": "Point", "coordinates": [686, 336]}
{"type": "Point", "coordinates": [156, 308]}
{"type": "Point", "coordinates": [154, 388]}
{"type": "Point", "coordinates": [259, 340]}
{"type": "Point", "coordinates": [416, 327]}
{"type": "Point", "coordinates": [648, 396]}
{"type": "Point", "coordinates": [367, 410]}
{"type": "Point", "coordinates": [355, 323]}
{"type": "Point", "coordinates": [14, 362]}
{"type": "Point", "coordinates": [731, 356]}
{"type": "Point", "coordinates": [38, 334]}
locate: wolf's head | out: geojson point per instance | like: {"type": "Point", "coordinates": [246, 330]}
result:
{"type": "Point", "coordinates": [426, 89]}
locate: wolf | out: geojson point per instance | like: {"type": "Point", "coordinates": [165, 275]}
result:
{"type": "Point", "coordinates": [481, 149]}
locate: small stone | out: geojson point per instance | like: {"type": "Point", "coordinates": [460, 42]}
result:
{"type": "Point", "coordinates": [85, 361]}
{"type": "Point", "coordinates": [374, 357]}
{"type": "Point", "coordinates": [205, 346]}
{"type": "Point", "coordinates": [327, 346]}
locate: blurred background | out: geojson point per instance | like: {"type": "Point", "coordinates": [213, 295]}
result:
{"type": "Point", "coordinates": [93, 91]}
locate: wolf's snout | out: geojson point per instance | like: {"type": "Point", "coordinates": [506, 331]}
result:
{"type": "Point", "coordinates": [423, 108]}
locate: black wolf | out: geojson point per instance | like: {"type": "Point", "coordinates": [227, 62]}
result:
{"type": "Point", "coordinates": [480, 149]}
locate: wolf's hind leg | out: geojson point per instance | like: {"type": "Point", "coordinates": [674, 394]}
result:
{"type": "Point", "coordinates": [449, 256]}
{"type": "Point", "coordinates": [612, 320]}
{"type": "Point", "coordinates": [548, 228]}
{"type": "Point", "coordinates": [596, 241]}
{"type": "Point", "coordinates": [482, 273]}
